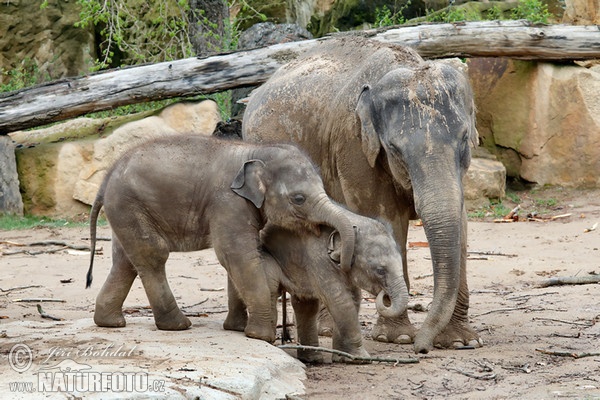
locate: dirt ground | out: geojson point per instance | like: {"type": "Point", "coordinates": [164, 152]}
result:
{"type": "Point", "coordinates": [540, 342]}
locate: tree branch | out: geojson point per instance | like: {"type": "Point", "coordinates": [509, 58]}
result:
{"type": "Point", "coordinates": [68, 98]}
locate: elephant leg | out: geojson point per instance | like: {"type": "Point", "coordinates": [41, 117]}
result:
{"type": "Point", "coordinates": [247, 269]}
{"type": "Point", "coordinates": [149, 258]}
{"type": "Point", "coordinates": [109, 302]}
{"type": "Point", "coordinates": [306, 311]}
{"type": "Point", "coordinates": [237, 315]}
{"type": "Point", "coordinates": [347, 337]}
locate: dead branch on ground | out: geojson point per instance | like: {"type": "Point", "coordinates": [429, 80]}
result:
{"type": "Point", "coordinates": [570, 280]}
{"type": "Point", "coordinates": [46, 315]}
{"type": "Point", "coordinates": [567, 353]}
{"type": "Point", "coordinates": [39, 300]}
{"type": "Point", "coordinates": [348, 355]}
{"type": "Point", "coordinates": [562, 321]}
{"type": "Point", "coordinates": [19, 288]}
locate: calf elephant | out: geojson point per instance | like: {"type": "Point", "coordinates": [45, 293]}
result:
{"type": "Point", "coordinates": [391, 134]}
{"type": "Point", "coordinates": [310, 270]}
{"type": "Point", "coordinates": [185, 193]}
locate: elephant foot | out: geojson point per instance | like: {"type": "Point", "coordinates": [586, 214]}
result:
{"type": "Point", "coordinates": [235, 321]}
{"type": "Point", "coordinates": [456, 335]}
{"type": "Point", "coordinates": [360, 352]}
{"type": "Point", "coordinates": [310, 357]}
{"type": "Point", "coordinates": [390, 330]}
{"type": "Point", "coordinates": [176, 322]}
{"type": "Point", "coordinates": [111, 322]}
{"type": "Point", "coordinates": [260, 331]}
{"type": "Point", "coordinates": [108, 319]}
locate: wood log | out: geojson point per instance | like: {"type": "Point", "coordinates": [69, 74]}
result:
{"type": "Point", "coordinates": [68, 98]}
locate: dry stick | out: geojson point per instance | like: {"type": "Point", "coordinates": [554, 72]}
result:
{"type": "Point", "coordinates": [348, 355]}
{"type": "Point", "coordinates": [45, 315]}
{"type": "Point", "coordinates": [485, 377]}
{"type": "Point", "coordinates": [19, 288]}
{"type": "Point", "coordinates": [38, 300]}
{"type": "Point", "coordinates": [492, 253]}
{"type": "Point", "coordinates": [570, 280]}
{"type": "Point", "coordinates": [567, 353]}
{"type": "Point", "coordinates": [219, 289]}
{"type": "Point", "coordinates": [197, 304]}
{"type": "Point", "coordinates": [587, 324]}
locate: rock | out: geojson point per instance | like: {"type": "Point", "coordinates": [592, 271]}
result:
{"type": "Point", "coordinates": [10, 197]}
{"type": "Point", "coordinates": [582, 12]}
{"type": "Point", "coordinates": [44, 42]}
{"type": "Point", "coordinates": [485, 180]}
{"type": "Point", "coordinates": [259, 35]}
{"type": "Point", "coordinates": [541, 120]}
{"type": "Point", "coordinates": [61, 175]}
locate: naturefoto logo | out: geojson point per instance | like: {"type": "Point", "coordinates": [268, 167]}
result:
{"type": "Point", "coordinates": [68, 375]}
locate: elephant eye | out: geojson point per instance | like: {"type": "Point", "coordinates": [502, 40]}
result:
{"type": "Point", "coordinates": [380, 271]}
{"type": "Point", "coordinates": [298, 199]}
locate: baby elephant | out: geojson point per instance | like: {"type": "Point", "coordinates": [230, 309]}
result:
{"type": "Point", "coordinates": [309, 268]}
{"type": "Point", "coordinates": [189, 192]}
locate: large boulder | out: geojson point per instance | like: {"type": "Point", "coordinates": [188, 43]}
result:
{"type": "Point", "coordinates": [541, 120]}
{"type": "Point", "coordinates": [10, 197]}
{"type": "Point", "coordinates": [60, 178]}
{"type": "Point", "coordinates": [43, 41]}
{"type": "Point", "coordinates": [582, 12]}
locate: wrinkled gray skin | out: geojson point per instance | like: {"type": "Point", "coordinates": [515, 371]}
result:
{"type": "Point", "coordinates": [187, 193]}
{"type": "Point", "coordinates": [310, 271]}
{"type": "Point", "coordinates": [391, 134]}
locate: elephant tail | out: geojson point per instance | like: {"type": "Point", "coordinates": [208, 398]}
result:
{"type": "Point", "coordinates": [98, 203]}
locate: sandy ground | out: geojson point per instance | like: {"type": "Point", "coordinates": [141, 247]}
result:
{"type": "Point", "coordinates": [517, 319]}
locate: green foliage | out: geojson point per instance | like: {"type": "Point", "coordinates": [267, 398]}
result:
{"type": "Point", "coordinates": [532, 10]}
{"type": "Point", "coordinates": [10, 222]}
{"type": "Point", "coordinates": [495, 13]}
{"type": "Point", "coordinates": [25, 75]}
{"type": "Point", "coordinates": [385, 17]}
{"type": "Point", "coordinates": [495, 209]}
{"type": "Point", "coordinates": [138, 31]}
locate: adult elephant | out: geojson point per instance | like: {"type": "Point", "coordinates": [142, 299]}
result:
{"type": "Point", "coordinates": [392, 136]}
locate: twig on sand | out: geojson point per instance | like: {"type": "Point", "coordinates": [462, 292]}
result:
{"type": "Point", "coordinates": [63, 246]}
{"type": "Point", "coordinates": [570, 280]}
{"type": "Point", "coordinates": [567, 353]}
{"type": "Point", "coordinates": [197, 304]}
{"type": "Point", "coordinates": [47, 316]}
{"type": "Point", "coordinates": [562, 321]}
{"type": "Point", "coordinates": [483, 377]}
{"type": "Point", "coordinates": [348, 355]}
{"type": "Point", "coordinates": [38, 300]}
{"type": "Point", "coordinates": [19, 288]}
{"type": "Point", "coordinates": [492, 253]}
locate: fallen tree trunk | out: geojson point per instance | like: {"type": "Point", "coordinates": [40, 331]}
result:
{"type": "Point", "coordinates": [68, 98]}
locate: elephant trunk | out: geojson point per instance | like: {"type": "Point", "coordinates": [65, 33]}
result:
{"type": "Point", "coordinates": [444, 220]}
{"type": "Point", "coordinates": [331, 214]}
{"type": "Point", "coordinates": [397, 294]}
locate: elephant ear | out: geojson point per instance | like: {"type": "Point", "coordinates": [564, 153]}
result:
{"type": "Point", "coordinates": [249, 184]}
{"type": "Point", "coordinates": [334, 249]}
{"type": "Point", "coordinates": [370, 140]}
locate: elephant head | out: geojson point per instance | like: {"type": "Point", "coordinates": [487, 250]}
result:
{"type": "Point", "coordinates": [377, 265]}
{"type": "Point", "coordinates": [289, 191]}
{"type": "Point", "coordinates": [419, 122]}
